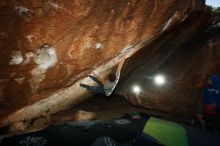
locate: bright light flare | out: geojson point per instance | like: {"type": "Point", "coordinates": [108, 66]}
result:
{"type": "Point", "coordinates": [159, 80]}
{"type": "Point", "coordinates": [136, 89]}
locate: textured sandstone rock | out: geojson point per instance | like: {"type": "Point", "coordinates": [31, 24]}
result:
{"type": "Point", "coordinates": [48, 46]}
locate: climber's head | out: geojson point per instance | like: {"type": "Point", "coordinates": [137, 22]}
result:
{"type": "Point", "coordinates": [112, 77]}
{"type": "Point", "coordinates": [213, 79]}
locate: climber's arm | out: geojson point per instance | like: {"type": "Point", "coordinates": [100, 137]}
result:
{"type": "Point", "coordinates": [100, 80]}
{"type": "Point", "coordinates": [97, 78]}
{"type": "Point", "coordinates": [121, 63]}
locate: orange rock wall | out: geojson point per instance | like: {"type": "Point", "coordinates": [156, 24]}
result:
{"type": "Point", "coordinates": [48, 45]}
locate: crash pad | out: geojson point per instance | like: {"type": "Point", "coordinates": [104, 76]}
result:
{"type": "Point", "coordinates": [166, 132]}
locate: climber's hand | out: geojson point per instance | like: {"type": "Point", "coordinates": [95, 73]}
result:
{"type": "Point", "coordinates": [92, 74]}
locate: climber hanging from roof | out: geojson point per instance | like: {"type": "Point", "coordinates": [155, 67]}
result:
{"type": "Point", "coordinates": [105, 86]}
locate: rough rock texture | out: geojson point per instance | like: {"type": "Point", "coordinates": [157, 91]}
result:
{"type": "Point", "coordinates": [48, 46]}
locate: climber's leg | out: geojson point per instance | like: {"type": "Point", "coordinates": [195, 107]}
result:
{"type": "Point", "coordinates": [97, 89]}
